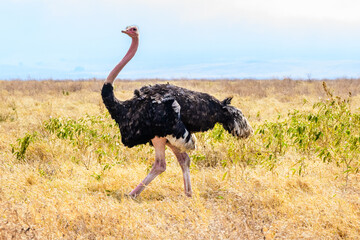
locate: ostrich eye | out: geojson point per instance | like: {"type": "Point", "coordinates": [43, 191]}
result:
{"type": "Point", "coordinates": [134, 29]}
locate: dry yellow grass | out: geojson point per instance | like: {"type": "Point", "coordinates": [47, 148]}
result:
{"type": "Point", "coordinates": [51, 196]}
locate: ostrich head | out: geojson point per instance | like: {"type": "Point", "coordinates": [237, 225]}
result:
{"type": "Point", "coordinates": [132, 31]}
{"type": "Point", "coordinates": [234, 120]}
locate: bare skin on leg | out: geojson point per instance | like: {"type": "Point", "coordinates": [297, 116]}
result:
{"type": "Point", "coordinates": [158, 167]}
{"type": "Point", "coordinates": [184, 161]}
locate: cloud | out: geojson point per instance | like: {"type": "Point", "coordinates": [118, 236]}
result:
{"type": "Point", "coordinates": [260, 11]}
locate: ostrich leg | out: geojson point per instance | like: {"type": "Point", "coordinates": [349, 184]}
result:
{"type": "Point", "coordinates": [158, 167]}
{"type": "Point", "coordinates": [184, 162]}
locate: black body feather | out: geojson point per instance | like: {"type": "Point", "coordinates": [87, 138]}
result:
{"type": "Point", "coordinates": [165, 109]}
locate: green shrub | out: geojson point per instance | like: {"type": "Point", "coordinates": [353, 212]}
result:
{"type": "Point", "coordinates": [330, 131]}
{"type": "Point", "coordinates": [90, 133]}
{"type": "Point", "coordinates": [19, 151]}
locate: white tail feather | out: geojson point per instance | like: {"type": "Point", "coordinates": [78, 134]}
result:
{"type": "Point", "coordinates": [181, 142]}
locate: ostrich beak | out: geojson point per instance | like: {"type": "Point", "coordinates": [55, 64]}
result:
{"type": "Point", "coordinates": [123, 31]}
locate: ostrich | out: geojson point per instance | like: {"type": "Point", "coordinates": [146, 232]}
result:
{"type": "Point", "coordinates": [167, 115]}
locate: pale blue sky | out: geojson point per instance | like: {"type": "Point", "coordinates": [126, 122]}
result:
{"type": "Point", "coordinates": [74, 39]}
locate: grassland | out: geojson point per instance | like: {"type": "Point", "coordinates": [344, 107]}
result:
{"type": "Point", "coordinates": [64, 173]}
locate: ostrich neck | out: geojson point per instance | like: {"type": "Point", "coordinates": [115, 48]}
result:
{"type": "Point", "coordinates": [129, 55]}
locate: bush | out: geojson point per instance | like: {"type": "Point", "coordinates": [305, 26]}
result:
{"type": "Point", "coordinates": [330, 131]}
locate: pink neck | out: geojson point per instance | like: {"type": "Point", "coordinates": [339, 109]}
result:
{"type": "Point", "coordinates": [129, 55]}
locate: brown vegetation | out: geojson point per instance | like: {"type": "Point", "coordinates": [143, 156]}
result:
{"type": "Point", "coordinates": [69, 189]}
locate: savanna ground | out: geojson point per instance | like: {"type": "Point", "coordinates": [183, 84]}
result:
{"type": "Point", "coordinates": [64, 173]}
